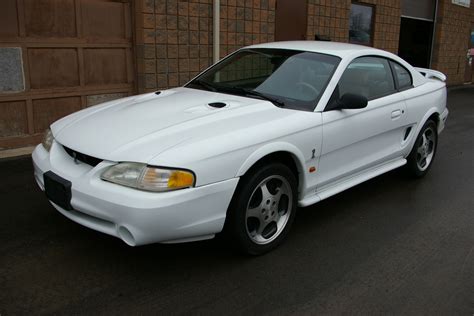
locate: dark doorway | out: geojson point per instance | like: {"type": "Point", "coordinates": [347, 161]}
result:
{"type": "Point", "coordinates": [415, 41]}
{"type": "Point", "coordinates": [291, 20]}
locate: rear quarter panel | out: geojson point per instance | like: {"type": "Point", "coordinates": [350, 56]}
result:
{"type": "Point", "coordinates": [422, 102]}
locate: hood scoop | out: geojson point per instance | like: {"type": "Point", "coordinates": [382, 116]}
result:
{"type": "Point", "coordinates": [217, 105]}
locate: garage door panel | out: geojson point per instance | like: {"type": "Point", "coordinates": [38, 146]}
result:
{"type": "Point", "coordinates": [8, 19]}
{"type": "Point", "coordinates": [53, 67]}
{"type": "Point", "coordinates": [103, 19]}
{"type": "Point", "coordinates": [13, 120]}
{"type": "Point", "coordinates": [50, 18]}
{"type": "Point", "coordinates": [46, 111]}
{"type": "Point", "coordinates": [105, 66]}
{"type": "Point", "coordinates": [72, 54]}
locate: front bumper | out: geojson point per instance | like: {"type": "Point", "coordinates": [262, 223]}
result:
{"type": "Point", "coordinates": [136, 217]}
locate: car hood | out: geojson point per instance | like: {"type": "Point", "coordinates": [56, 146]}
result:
{"type": "Point", "coordinates": [139, 128]}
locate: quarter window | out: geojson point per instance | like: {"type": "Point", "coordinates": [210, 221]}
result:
{"type": "Point", "coordinates": [367, 76]}
{"type": "Point", "coordinates": [403, 76]}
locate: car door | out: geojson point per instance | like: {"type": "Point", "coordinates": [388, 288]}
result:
{"type": "Point", "coordinates": [357, 139]}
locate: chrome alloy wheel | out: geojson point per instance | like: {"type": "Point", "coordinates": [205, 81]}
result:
{"type": "Point", "coordinates": [426, 149]}
{"type": "Point", "coordinates": [269, 209]}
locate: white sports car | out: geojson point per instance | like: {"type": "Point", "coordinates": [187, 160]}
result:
{"type": "Point", "coordinates": [237, 149]}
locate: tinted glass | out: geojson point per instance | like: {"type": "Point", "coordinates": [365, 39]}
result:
{"type": "Point", "coordinates": [360, 24]}
{"type": "Point", "coordinates": [295, 78]}
{"type": "Point", "coordinates": [367, 76]}
{"type": "Point", "coordinates": [403, 76]}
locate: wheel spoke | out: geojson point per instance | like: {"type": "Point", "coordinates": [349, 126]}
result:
{"type": "Point", "coordinates": [423, 162]}
{"type": "Point", "coordinates": [260, 228]}
{"type": "Point", "coordinates": [421, 150]}
{"type": "Point", "coordinates": [265, 193]}
{"type": "Point", "coordinates": [278, 194]}
{"type": "Point", "coordinates": [424, 139]}
{"type": "Point", "coordinates": [277, 217]}
{"type": "Point", "coordinates": [255, 212]}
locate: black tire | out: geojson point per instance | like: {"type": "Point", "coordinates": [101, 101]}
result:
{"type": "Point", "coordinates": [413, 167]}
{"type": "Point", "coordinates": [238, 226]}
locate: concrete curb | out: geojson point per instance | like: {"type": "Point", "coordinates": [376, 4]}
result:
{"type": "Point", "coordinates": [16, 153]}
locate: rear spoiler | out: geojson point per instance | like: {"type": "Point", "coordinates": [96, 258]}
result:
{"type": "Point", "coordinates": [431, 74]}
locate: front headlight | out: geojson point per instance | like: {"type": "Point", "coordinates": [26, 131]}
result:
{"type": "Point", "coordinates": [48, 139]}
{"type": "Point", "coordinates": [148, 178]}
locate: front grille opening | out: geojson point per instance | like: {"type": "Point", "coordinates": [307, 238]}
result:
{"type": "Point", "coordinates": [91, 161]}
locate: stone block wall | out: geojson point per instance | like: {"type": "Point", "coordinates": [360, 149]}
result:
{"type": "Point", "coordinates": [330, 18]}
{"type": "Point", "coordinates": [173, 41]}
{"type": "Point", "coordinates": [451, 40]}
{"type": "Point", "coordinates": [245, 22]}
{"type": "Point", "coordinates": [173, 38]}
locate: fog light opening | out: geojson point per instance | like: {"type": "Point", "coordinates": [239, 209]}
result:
{"type": "Point", "coordinates": [126, 236]}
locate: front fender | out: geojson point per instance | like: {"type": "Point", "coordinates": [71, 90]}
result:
{"type": "Point", "coordinates": [271, 148]}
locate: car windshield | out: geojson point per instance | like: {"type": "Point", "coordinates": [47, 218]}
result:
{"type": "Point", "coordinates": [288, 78]}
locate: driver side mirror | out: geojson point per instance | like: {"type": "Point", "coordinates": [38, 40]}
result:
{"type": "Point", "coordinates": [349, 101]}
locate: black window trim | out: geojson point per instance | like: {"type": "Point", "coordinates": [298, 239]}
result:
{"type": "Point", "coordinates": [392, 70]}
{"type": "Point", "coordinates": [397, 83]}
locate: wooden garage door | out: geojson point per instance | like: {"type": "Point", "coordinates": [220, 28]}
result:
{"type": "Point", "coordinates": [57, 57]}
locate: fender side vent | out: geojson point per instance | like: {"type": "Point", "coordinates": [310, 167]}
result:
{"type": "Point", "coordinates": [217, 104]}
{"type": "Point", "coordinates": [407, 132]}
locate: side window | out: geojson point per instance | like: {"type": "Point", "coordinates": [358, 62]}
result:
{"type": "Point", "coordinates": [367, 76]}
{"type": "Point", "coordinates": [403, 76]}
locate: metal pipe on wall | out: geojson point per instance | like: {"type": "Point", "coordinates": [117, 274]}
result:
{"type": "Point", "coordinates": [216, 31]}
{"type": "Point", "coordinates": [433, 35]}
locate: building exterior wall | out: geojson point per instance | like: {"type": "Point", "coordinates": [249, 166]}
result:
{"type": "Point", "coordinates": [454, 24]}
{"type": "Point", "coordinates": [330, 18]}
{"type": "Point", "coordinates": [245, 22]}
{"type": "Point", "coordinates": [173, 41]}
{"type": "Point", "coordinates": [174, 37]}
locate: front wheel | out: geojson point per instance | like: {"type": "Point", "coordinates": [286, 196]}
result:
{"type": "Point", "coordinates": [422, 155]}
{"type": "Point", "coordinates": [262, 209]}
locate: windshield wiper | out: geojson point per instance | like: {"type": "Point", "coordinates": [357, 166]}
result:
{"type": "Point", "coordinates": [275, 101]}
{"type": "Point", "coordinates": [205, 84]}
{"type": "Point", "coordinates": [238, 90]}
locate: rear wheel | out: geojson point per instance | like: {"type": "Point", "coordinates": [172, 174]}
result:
{"type": "Point", "coordinates": [422, 155]}
{"type": "Point", "coordinates": [262, 209]}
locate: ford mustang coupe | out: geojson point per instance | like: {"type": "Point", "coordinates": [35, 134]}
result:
{"type": "Point", "coordinates": [237, 149]}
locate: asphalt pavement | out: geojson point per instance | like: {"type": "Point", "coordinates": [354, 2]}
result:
{"type": "Point", "coordinates": [391, 245]}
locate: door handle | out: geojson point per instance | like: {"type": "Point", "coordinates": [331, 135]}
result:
{"type": "Point", "coordinates": [396, 114]}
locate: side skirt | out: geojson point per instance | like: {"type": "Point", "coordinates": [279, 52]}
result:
{"type": "Point", "coordinates": [353, 180]}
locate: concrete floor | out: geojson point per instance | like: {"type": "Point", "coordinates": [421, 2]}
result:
{"type": "Point", "coordinates": [390, 245]}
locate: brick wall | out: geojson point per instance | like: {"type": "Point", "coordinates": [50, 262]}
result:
{"type": "Point", "coordinates": [173, 41]}
{"type": "Point", "coordinates": [330, 18]}
{"type": "Point", "coordinates": [451, 40]}
{"type": "Point", "coordinates": [174, 37]}
{"type": "Point", "coordinates": [246, 22]}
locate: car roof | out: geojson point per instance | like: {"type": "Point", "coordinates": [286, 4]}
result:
{"type": "Point", "coordinates": [331, 48]}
